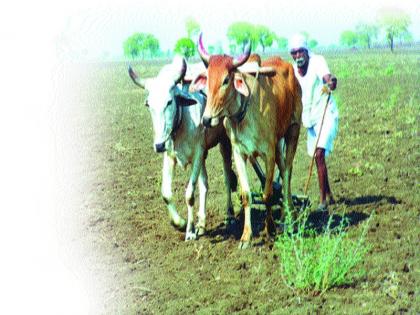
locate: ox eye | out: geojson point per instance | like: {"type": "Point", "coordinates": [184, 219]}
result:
{"type": "Point", "coordinates": [169, 103]}
{"type": "Point", "coordinates": [226, 80]}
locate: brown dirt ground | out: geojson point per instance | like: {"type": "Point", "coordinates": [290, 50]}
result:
{"type": "Point", "coordinates": [140, 264]}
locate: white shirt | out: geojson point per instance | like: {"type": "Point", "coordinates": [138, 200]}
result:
{"type": "Point", "coordinates": [313, 98]}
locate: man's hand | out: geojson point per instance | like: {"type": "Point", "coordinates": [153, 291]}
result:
{"type": "Point", "coordinates": [331, 81]}
{"type": "Point", "coordinates": [332, 84]}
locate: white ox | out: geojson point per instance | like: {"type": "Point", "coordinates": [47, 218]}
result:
{"type": "Point", "coordinates": [178, 133]}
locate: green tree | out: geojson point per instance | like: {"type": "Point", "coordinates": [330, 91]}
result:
{"type": "Point", "coordinates": [192, 27]}
{"type": "Point", "coordinates": [264, 36]}
{"type": "Point", "coordinates": [185, 47]}
{"type": "Point", "coordinates": [406, 37]}
{"type": "Point", "coordinates": [151, 44]}
{"type": "Point", "coordinates": [242, 32]}
{"type": "Point", "coordinates": [348, 38]}
{"type": "Point", "coordinates": [141, 43]}
{"type": "Point", "coordinates": [395, 23]}
{"type": "Point", "coordinates": [312, 43]}
{"type": "Point", "coordinates": [367, 33]}
{"type": "Point", "coordinates": [282, 43]}
{"type": "Point", "coordinates": [132, 45]}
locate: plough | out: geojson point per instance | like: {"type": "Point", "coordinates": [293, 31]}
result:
{"type": "Point", "coordinates": [300, 202]}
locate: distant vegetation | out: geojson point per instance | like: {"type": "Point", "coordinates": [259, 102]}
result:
{"type": "Point", "coordinates": [141, 45]}
{"type": "Point", "coordinates": [393, 23]}
{"type": "Point", "coordinates": [240, 33]}
{"type": "Point", "coordinates": [185, 47]}
{"type": "Point", "coordinates": [391, 27]}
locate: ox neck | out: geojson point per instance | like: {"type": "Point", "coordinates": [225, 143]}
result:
{"type": "Point", "coordinates": [240, 114]}
{"type": "Point", "coordinates": [177, 120]}
{"type": "Point", "coordinates": [244, 102]}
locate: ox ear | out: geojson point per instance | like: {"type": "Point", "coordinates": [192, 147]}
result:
{"type": "Point", "coordinates": [184, 99]}
{"type": "Point", "coordinates": [199, 83]}
{"type": "Point", "coordinates": [240, 84]}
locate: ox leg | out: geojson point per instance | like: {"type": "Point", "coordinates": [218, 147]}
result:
{"type": "Point", "coordinates": [281, 147]}
{"type": "Point", "coordinates": [167, 176]}
{"type": "Point", "coordinates": [270, 228]}
{"type": "Point", "coordinates": [190, 233]}
{"type": "Point", "coordinates": [280, 161]}
{"type": "Point", "coordinates": [231, 181]}
{"type": "Point", "coordinates": [203, 187]}
{"type": "Point", "coordinates": [246, 198]}
{"type": "Point", "coordinates": [291, 138]}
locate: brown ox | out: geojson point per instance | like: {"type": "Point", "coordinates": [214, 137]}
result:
{"type": "Point", "coordinates": [262, 108]}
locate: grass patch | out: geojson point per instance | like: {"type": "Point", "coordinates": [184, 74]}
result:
{"type": "Point", "coordinates": [315, 262]}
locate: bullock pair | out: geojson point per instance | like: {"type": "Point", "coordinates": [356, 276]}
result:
{"type": "Point", "coordinates": [259, 108]}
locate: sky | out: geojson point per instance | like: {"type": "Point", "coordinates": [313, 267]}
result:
{"type": "Point", "coordinates": [36, 36]}
{"type": "Point", "coordinates": [99, 31]}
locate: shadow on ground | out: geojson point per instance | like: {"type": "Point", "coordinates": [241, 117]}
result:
{"type": "Point", "coordinates": [317, 220]}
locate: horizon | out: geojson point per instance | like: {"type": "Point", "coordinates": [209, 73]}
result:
{"type": "Point", "coordinates": [98, 34]}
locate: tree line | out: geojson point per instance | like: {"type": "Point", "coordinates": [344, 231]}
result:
{"type": "Point", "coordinates": [392, 23]}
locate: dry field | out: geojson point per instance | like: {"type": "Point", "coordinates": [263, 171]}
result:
{"type": "Point", "coordinates": [139, 264]}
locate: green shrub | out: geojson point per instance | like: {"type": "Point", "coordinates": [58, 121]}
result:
{"type": "Point", "coordinates": [389, 70]}
{"type": "Point", "coordinates": [312, 262]}
{"type": "Point", "coordinates": [356, 171]}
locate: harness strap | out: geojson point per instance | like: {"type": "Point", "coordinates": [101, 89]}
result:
{"type": "Point", "coordinates": [177, 120]}
{"type": "Point", "coordinates": [178, 113]}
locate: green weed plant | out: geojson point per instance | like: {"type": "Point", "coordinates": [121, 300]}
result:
{"type": "Point", "coordinates": [312, 262]}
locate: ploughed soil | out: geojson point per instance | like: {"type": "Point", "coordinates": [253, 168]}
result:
{"type": "Point", "coordinates": [135, 262]}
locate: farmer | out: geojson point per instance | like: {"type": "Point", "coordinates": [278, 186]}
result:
{"type": "Point", "coordinates": [316, 82]}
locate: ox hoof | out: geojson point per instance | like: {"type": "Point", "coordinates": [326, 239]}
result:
{"type": "Point", "coordinates": [179, 224]}
{"type": "Point", "coordinates": [190, 236]}
{"type": "Point", "coordinates": [244, 244]}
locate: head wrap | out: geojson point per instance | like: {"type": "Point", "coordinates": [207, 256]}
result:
{"type": "Point", "coordinates": [298, 41]}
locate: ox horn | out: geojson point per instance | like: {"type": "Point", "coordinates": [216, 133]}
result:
{"type": "Point", "coordinates": [202, 51]}
{"type": "Point", "coordinates": [136, 79]}
{"type": "Point", "coordinates": [239, 61]}
{"type": "Point", "coordinates": [182, 71]}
